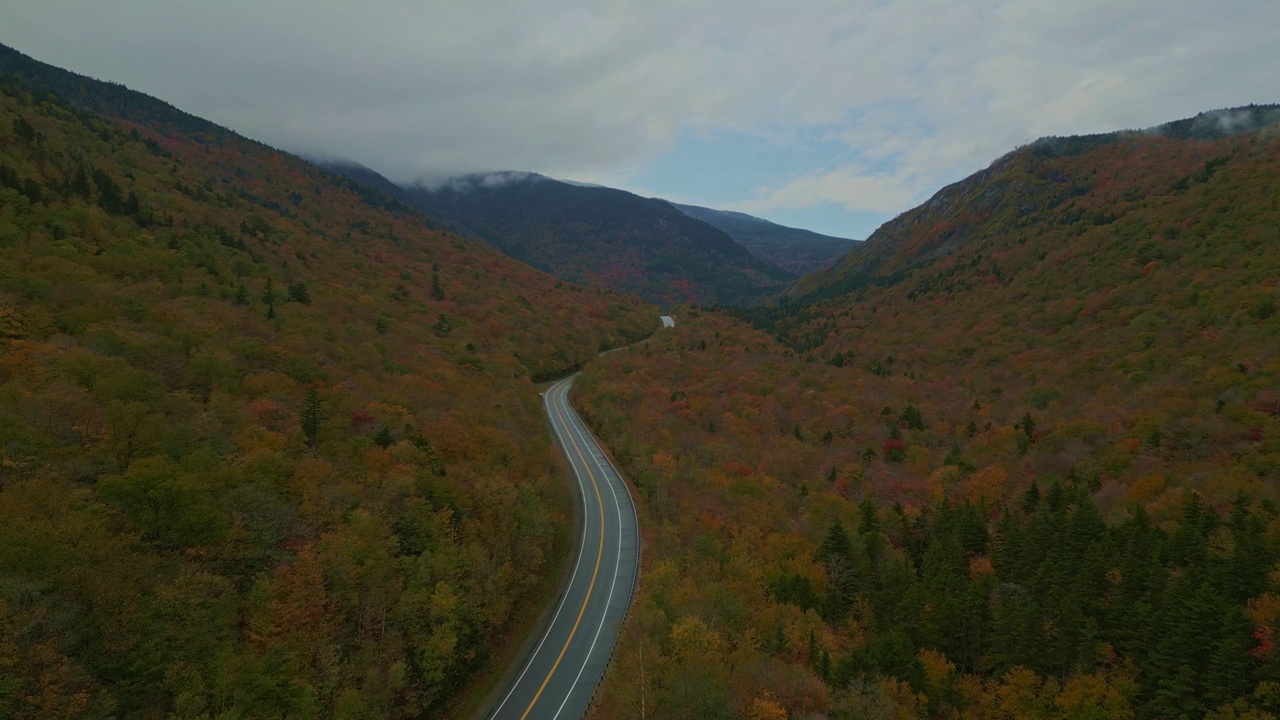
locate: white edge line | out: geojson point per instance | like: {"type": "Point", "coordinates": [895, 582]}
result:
{"type": "Point", "coordinates": [582, 489]}
{"type": "Point", "coordinates": [604, 616]}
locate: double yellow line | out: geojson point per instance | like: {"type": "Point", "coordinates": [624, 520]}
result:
{"type": "Point", "coordinates": [599, 554]}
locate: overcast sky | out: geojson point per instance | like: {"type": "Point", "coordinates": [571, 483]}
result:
{"type": "Point", "coordinates": [829, 114]}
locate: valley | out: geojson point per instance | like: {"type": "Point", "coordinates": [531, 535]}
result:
{"type": "Point", "coordinates": [1014, 456]}
{"type": "Point", "coordinates": [561, 673]}
{"type": "Point", "coordinates": [284, 438]}
{"type": "Point", "coordinates": [269, 449]}
{"type": "Point", "coordinates": [603, 237]}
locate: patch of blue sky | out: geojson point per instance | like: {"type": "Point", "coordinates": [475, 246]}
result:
{"type": "Point", "coordinates": [724, 168]}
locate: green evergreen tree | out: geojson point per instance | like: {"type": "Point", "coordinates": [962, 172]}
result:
{"type": "Point", "coordinates": [836, 544]}
{"type": "Point", "coordinates": [869, 517]}
{"type": "Point", "coordinates": [23, 129]}
{"type": "Point", "coordinates": [911, 418]}
{"type": "Point", "coordinates": [1031, 498]}
{"type": "Point", "coordinates": [1244, 574]}
{"type": "Point", "coordinates": [443, 325]}
{"type": "Point", "coordinates": [836, 555]}
{"type": "Point", "coordinates": [80, 184]}
{"type": "Point", "coordinates": [1028, 425]}
{"type": "Point", "coordinates": [298, 293]}
{"type": "Point", "coordinates": [269, 299]}
{"type": "Point", "coordinates": [311, 416]}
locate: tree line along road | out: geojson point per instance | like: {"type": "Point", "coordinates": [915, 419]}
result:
{"type": "Point", "coordinates": [558, 677]}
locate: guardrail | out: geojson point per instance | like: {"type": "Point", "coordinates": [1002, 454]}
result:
{"type": "Point", "coordinates": [635, 578]}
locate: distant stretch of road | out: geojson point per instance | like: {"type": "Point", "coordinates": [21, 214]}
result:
{"type": "Point", "coordinates": [558, 678]}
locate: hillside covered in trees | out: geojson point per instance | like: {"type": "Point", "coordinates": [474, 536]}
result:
{"type": "Point", "coordinates": [792, 249]}
{"type": "Point", "coordinates": [269, 444]}
{"type": "Point", "coordinates": [1016, 456]}
{"type": "Point", "coordinates": [605, 237]}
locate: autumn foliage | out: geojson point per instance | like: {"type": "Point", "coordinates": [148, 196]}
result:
{"type": "Point", "coordinates": [1017, 457]}
{"type": "Point", "coordinates": [266, 449]}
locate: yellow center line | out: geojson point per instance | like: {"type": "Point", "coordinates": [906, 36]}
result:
{"type": "Point", "coordinates": [594, 573]}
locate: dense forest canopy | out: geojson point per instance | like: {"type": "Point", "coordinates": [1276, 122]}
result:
{"type": "Point", "coordinates": [266, 449]}
{"type": "Point", "coordinates": [605, 237]}
{"type": "Point", "coordinates": [1017, 456]}
{"type": "Point", "coordinates": [270, 444]}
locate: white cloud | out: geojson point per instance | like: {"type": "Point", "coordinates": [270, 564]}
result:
{"type": "Point", "coordinates": [851, 186]}
{"type": "Point", "coordinates": [917, 92]}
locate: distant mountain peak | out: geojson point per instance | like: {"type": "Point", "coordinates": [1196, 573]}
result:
{"type": "Point", "coordinates": [1222, 123]}
{"type": "Point", "coordinates": [603, 236]}
{"type": "Point", "coordinates": [1053, 181]}
{"type": "Point", "coordinates": [795, 250]}
{"type": "Point", "coordinates": [476, 181]}
{"type": "Point", "coordinates": [1209, 125]}
{"type": "Point", "coordinates": [579, 183]}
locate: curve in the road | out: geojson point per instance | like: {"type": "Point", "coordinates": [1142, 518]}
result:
{"type": "Point", "coordinates": [558, 678]}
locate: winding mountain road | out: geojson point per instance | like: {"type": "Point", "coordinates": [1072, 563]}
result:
{"type": "Point", "coordinates": [559, 677]}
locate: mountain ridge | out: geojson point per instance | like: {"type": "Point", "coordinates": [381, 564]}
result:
{"type": "Point", "coordinates": [986, 467]}
{"type": "Point", "coordinates": [795, 250]}
{"type": "Point", "coordinates": [114, 100]}
{"type": "Point", "coordinates": [1009, 185]}
{"type": "Point", "coordinates": [267, 439]}
{"type": "Point", "coordinates": [601, 235]}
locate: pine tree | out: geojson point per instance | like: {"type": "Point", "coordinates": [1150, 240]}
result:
{"type": "Point", "coordinates": [443, 325]}
{"type": "Point", "coordinates": [870, 517]}
{"type": "Point", "coordinates": [1031, 498]}
{"type": "Point", "coordinates": [1028, 425]}
{"type": "Point", "coordinates": [836, 555]}
{"type": "Point", "coordinates": [80, 184]}
{"type": "Point", "coordinates": [835, 544]}
{"type": "Point", "coordinates": [437, 292]}
{"type": "Point", "coordinates": [269, 298]}
{"type": "Point", "coordinates": [311, 416]}
{"type": "Point", "coordinates": [23, 129]}
{"type": "Point", "coordinates": [298, 293]}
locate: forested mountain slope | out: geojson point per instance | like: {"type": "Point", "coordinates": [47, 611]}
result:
{"type": "Point", "coordinates": [1053, 181]}
{"type": "Point", "coordinates": [604, 237]}
{"type": "Point", "coordinates": [1022, 462]}
{"type": "Point", "coordinates": [115, 101]}
{"type": "Point", "coordinates": [266, 449]}
{"type": "Point", "coordinates": [592, 235]}
{"type": "Point", "coordinates": [792, 249]}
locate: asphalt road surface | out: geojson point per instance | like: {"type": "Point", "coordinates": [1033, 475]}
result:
{"type": "Point", "coordinates": [559, 676]}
